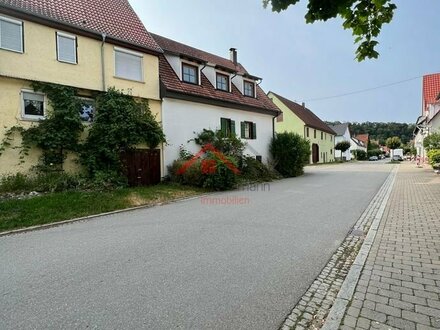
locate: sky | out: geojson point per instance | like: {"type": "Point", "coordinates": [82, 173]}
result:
{"type": "Point", "coordinates": [305, 62]}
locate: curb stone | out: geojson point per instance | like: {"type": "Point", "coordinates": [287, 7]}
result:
{"type": "Point", "coordinates": [331, 290]}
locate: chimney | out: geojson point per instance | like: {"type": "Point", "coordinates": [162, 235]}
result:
{"type": "Point", "coordinates": [233, 55]}
{"type": "Point", "coordinates": [303, 105]}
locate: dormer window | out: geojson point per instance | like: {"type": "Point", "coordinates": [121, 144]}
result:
{"type": "Point", "coordinates": [222, 82]}
{"type": "Point", "coordinates": [249, 88]}
{"type": "Point", "coordinates": [190, 73]}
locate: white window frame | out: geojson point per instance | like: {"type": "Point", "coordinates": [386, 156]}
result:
{"type": "Point", "coordinates": [130, 52]}
{"type": "Point", "coordinates": [14, 21]}
{"type": "Point", "coordinates": [229, 80]}
{"type": "Point", "coordinates": [194, 64]}
{"type": "Point", "coordinates": [32, 117]}
{"type": "Point", "coordinates": [244, 88]}
{"type": "Point", "coordinates": [70, 36]}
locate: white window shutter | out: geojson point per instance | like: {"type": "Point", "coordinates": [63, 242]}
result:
{"type": "Point", "coordinates": [11, 35]}
{"type": "Point", "coordinates": [66, 48]}
{"type": "Point", "coordinates": [128, 66]}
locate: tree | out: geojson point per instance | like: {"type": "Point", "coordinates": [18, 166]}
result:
{"type": "Point", "coordinates": [432, 141]}
{"type": "Point", "coordinates": [364, 17]}
{"type": "Point", "coordinates": [290, 152]}
{"type": "Point", "coordinates": [393, 142]}
{"type": "Point", "coordinates": [342, 146]}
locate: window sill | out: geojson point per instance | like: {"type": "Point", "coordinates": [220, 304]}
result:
{"type": "Point", "coordinates": [67, 62]}
{"type": "Point", "coordinates": [33, 119]}
{"type": "Point", "coordinates": [223, 90]}
{"type": "Point", "coordinates": [12, 50]}
{"type": "Point", "coordinates": [128, 79]}
{"type": "Point", "coordinates": [191, 83]}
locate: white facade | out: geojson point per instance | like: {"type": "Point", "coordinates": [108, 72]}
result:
{"type": "Point", "coordinates": [346, 137]}
{"type": "Point", "coordinates": [356, 146]}
{"type": "Point", "coordinates": [182, 120]}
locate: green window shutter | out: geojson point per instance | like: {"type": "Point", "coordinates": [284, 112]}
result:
{"type": "Point", "coordinates": [242, 125]}
{"type": "Point", "coordinates": [233, 127]}
{"type": "Point", "coordinates": [223, 125]}
{"type": "Point", "coordinates": [254, 130]}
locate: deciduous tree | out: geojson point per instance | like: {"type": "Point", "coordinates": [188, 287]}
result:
{"type": "Point", "coordinates": [363, 17]}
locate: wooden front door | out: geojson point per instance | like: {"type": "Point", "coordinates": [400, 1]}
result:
{"type": "Point", "coordinates": [315, 153]}
{"type": "Point", "coordinates": [142, 166]}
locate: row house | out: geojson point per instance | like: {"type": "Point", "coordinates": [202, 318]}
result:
{"type": "Point", "coordinates": [88, 45]}
{"type": "Point", "coordinates": [200, 90]}
{"type": "Point", "coordinates": [298, 119]}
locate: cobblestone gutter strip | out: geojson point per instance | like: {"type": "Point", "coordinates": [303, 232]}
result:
{"type": "Point", "coordinates": [334, 286]}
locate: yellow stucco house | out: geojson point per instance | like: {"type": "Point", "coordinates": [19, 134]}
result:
{"type": "Point", "coordinates": [298, 119]}
{"type": "Point", "coordinates": [89, 45]}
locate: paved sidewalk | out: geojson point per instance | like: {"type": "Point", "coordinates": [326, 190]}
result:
{"type": "Point", "coordinates": [399, 286]}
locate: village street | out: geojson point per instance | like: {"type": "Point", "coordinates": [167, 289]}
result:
{"type": "Point", "coordinates": [190, 264]}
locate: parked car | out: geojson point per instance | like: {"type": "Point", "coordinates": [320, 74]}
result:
{"type": "Point", "coordinates": [373, 158]}
{"type": "Point", "coordinates": [397, 158]}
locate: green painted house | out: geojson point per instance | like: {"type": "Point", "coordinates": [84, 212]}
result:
{"type": "Point", "coordinates": [298, 119]}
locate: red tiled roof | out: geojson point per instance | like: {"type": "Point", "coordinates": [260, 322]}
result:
{"type": "Point", "coordinates": [171, 82]}
{"type": "Point", "coordinates": [182, 49]}
{"type": "Point", "coordinates": [306, 115]}
{"type": "Point", "coordinates": [364, 138]}
{"type": "Point", "coordinates": [431, 89]}
{"type": "Point", "coordinates": [116, 18]}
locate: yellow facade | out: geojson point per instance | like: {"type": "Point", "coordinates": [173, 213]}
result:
{"type": "Point", "coordinates": [39, 62]}
{"type": "Point", "coordinates": [290, 122]}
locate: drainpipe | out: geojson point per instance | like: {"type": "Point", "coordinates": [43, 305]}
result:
{"type": "Point", "coordinates": [103, 61]}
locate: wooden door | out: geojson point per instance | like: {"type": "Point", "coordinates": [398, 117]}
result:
{"type": "Point", "coordinates": [141, 166]}
{"type": "Point", "coordinates": [315, 153]}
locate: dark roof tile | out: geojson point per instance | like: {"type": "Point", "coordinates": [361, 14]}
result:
{"type": "Point", "coordinates": [116, 18]}
{"type": "Point", "coordinates": [306, 115]}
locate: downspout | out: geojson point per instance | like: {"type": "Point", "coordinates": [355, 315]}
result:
{"type": "Point", "coordinates": [103, 62]}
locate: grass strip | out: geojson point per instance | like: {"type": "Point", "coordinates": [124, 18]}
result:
{"type": "Point", "coordinates": [15, 214]}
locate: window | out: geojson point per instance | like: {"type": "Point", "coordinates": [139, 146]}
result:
{"type": "Point", "coordinates": [66, 48]}
{"type": "Point", "coordinates": [314, 133]}
{"type": "Point", "coordinates": [331, 151]}
{"type": "Point", "coordinates": [222, 82]}
{"type": "Point", "coordinates": [227, 126]}
{"type": "Point", "coordinates": [87, 110]}
{"type": "Point", "coordinates": [128, 65]}
{"type": "Point", "coordinates": [249, 89]}
{"type": "Point", "coordinates": [322, 136]}
{"type": "Point", "coordinates": [307, 132]}
{"type": "Point", "coordinates": [190, 73]}
{"type": "Point", "coordinates": [33, 106]}
{"type": "Point", "coordinates": [331, 137]}
{"type": "Point", "coordinates": [248, 130]}
{"type": "Point", "coordinates": [11, 34]}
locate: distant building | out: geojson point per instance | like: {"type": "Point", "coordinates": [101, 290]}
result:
{"type": "Point", "coordinates": [342, 134]}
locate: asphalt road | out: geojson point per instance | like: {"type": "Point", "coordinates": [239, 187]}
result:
{"type": "Point", "coordinates": [186, 265]}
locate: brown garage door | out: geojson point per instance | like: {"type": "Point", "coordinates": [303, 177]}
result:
{"type": "Point", "coordinates": [142, 166]}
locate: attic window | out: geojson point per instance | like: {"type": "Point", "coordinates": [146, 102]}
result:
{"type": "Point", "coordinates": [11, 34]}
{"type": "Point", "coordinates": [249, 89]}
{"type": "Point", "coordinates": [190, 73]}
{"type": "Point", "coordinates": [222, 82]}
